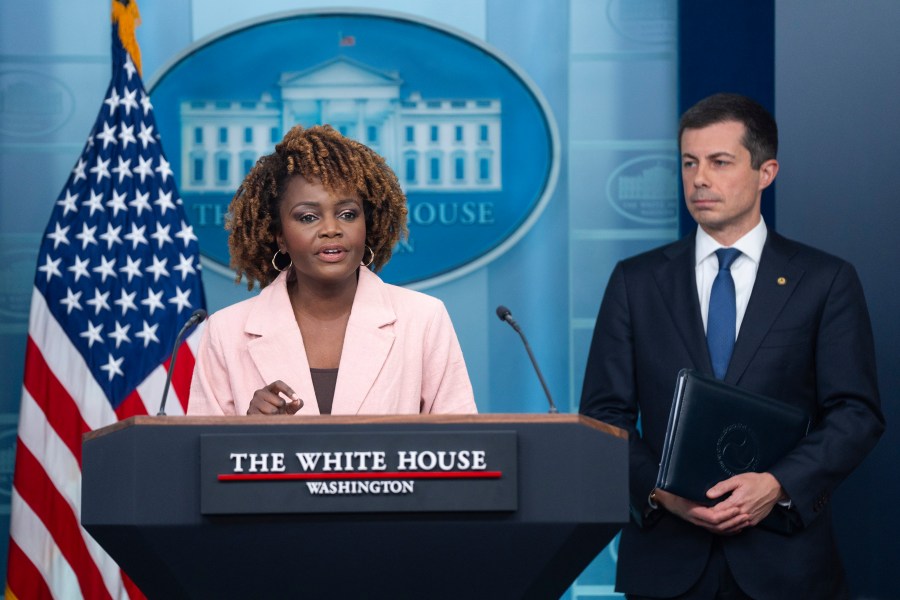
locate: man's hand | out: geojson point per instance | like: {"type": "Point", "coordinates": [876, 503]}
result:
{"type": "Point", "coordinates": [752, 497]}
{"type": "Point", "coordinates": [752, 494]}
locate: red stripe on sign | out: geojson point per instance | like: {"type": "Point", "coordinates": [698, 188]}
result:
{"type": "Point", "coordinates": [367, 475]}
{"type": "Point", "coordinates": [39, 492]}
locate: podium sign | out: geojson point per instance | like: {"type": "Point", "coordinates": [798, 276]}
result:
{"type": "Point", "coordinates": [555, 492]}
{"type": "Point", "coordinates": [357, 472]}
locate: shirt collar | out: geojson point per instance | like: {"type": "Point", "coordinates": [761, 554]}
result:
{"type": "Point", "coordinates": [750, 245]}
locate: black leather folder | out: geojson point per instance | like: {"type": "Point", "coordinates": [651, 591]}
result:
{"type": "Point", "coordinates": [717, 430]}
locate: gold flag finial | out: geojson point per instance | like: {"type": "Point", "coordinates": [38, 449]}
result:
{"type": "Point", "coordinates": [127, 17]}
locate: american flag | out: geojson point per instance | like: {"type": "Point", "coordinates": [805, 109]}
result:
{"type": "Point", "coordinates": [117, 277]}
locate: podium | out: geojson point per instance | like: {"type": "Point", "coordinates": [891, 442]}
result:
{"type": "Point", "coordinates": [144, 501]}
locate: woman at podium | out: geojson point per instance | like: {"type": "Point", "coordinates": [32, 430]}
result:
{"type": "Point", "coordinates": [312, 223]}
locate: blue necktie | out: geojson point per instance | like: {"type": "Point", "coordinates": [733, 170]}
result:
{"type": "Point", "coordinates": [722, 319]}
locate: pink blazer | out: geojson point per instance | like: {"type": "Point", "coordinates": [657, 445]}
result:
{"type": "Point", "coordinates": [400, 355]}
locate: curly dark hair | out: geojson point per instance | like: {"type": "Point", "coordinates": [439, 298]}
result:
{"type": "Point", "coordinates": [342, 165]}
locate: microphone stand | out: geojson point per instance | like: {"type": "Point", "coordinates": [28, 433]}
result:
{"type": "Point", "coordinates": [505, 315]}
{"type": "Point", "coordinates": [198, 316]}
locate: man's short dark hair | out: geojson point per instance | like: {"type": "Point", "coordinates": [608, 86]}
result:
{"type": "Point", "coordinates": [761, 137]}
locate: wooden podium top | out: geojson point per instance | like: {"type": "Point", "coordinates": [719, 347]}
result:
{"type": "Point", "coordinates": [480, 419]}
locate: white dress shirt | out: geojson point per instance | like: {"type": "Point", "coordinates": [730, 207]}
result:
{"type": "Point", "coordinates": [743, 269]}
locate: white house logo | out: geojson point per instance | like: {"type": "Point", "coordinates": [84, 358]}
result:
{"type": "Point", "coordinates": [645, 189]}
{"type": "Point", "coordinates": [17, 271]}
{"type": "Point", "coordinates": [33, 104]}
{"type": "Point", "coordinates": [647, 21]}
{"type": "Point", "coordinates": [470, 139]}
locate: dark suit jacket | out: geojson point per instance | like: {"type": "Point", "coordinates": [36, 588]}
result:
{"type": "Point", "coordinates": [805, 339]}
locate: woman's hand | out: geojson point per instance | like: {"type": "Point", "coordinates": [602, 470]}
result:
{"type": "Point", "coordinates": [277, 398]}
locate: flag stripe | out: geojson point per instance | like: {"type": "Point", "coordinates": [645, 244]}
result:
{"type": "Point", "coordinates": [24, 577]}
{"type": "Point", "coordinates": [64, 472]}
{"type": "Point", "coordinates": [68, 365]}
{"type": "Point", "coordinates": [145, 399]}
{"type": "Point", "coordinates": [192, 344]}
{"type": "Point", "coordinates": [131, 588]}
{"type": "Point", "coordinates": [38, 545]}
{"type": "Point", "coordinates": [40, 382]}
{"type": "Point", "coordinates": [181, 376]}
{"type": "Point", "coordinates": [38, 491]}
{"type": "Point", "coordinates": [50, 451]}
{"type": "Point", "coordinates": [151, 389]}
{"type": "Point", "coordinates": [44, 387]}
{"type": "Point", "coordinates": [132, 406]}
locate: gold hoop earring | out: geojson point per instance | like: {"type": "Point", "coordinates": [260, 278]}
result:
{"type": "Point", "coordinates": [275, 266]}
{"type": "Point", "coordinates": [371, 260]}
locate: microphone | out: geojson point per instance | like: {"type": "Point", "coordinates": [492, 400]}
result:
{"type": "Point", "coordinates": [195, 319]}
{"type": "Point", "coordinates": [504, 314]}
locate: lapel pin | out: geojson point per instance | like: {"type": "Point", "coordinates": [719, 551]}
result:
{"type": "Point", "coordinates": [781, 281]}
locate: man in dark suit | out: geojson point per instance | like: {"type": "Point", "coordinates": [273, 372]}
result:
{"type": "Point", "coordinates": [797, 329]}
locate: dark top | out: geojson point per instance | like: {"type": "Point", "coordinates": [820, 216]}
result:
{"type": "Point", "coordinates": [324, 381]}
